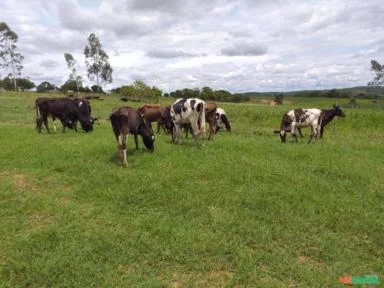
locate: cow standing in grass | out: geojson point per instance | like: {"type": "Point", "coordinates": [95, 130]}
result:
{"type": "Point", "coordinates": [191, 111]}
{"type": "Point", "coordinates": [317, 119]}
{"type": "Point", "coordinates": [127, 120]}
{"type": "Point", "coordinates": [157, 113]}
{"type": "Point", "coordinates": [222, 120]}
{"type": "Point", "coordinates": [294, 119]}
{"type": "Point", "coordinates": [68, 111]}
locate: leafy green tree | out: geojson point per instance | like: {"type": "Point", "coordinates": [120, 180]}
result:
{"type": "Point", "coordinates": [25, 84]}
{"type": "Point", "coordinates": [378, 78]}
{"type": "Point", "coordinates": [206, 93]}
{"type": "Point", "coordinates": [96, 89]}
{"type": "Point", "coordinates": [10, 59]}
{"type": "Point", "coordinates": [97, 62]}
{"type": "Point", "coordinates": [140, 91]}
{"type": "Point", "coordinates": [45, 86]}
{"type": "Point", "coordinates": [71, 85]}
{"type": "Point", "coordinates": [222, 95]}
{"type": "Point", "coordinates": [22, 83]}
{"type": "Point", "coordinates": [71, 63]}
{"type": "Point", "coordinates": [191, 93]}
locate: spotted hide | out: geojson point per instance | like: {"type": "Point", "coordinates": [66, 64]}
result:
{"type": "Point", "coordinates": [294, 119]}
{"type": "Point", "coordinates": [191, 110]}
{"type": "Point", "coordinates": [222, 120]}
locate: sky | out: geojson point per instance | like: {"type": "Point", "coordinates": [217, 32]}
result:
{"type": "Point", "coordinates": [235, 45]}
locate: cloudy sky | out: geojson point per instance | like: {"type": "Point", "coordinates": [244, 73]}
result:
{"type": "Point", "coordinates": [236, 45]}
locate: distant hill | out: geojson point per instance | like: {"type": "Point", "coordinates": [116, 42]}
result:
{"type": "Point", "coordinates": [353, 92]}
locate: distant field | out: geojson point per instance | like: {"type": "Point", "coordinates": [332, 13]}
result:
{"type": "Point", "coordinates": [242, 211]}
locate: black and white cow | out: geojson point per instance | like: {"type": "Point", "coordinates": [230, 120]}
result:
{"type": "Point", "coordinates": [191, 110]}
{"type": "Point", "coordinates": [326, 116]}
{"type": "Point", "coordinates": [222, 120]}
{"type": "Point", "coordinates": [294, 119]}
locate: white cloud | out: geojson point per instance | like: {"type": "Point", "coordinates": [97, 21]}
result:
{"type": "Point", "coordinates": [237, 45]}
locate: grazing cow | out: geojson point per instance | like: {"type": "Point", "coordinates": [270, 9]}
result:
{"type": "Point", "coordinates": [157, 113]}
{"type": "Point", "coordinates": [222, 120]}
{"type": "Point", "coordinates": [127, 120]}
{"type": "Point", "coordinates": [294, 119]}
{"type": "Point", "coordinates": [68, 111]}
{"type": "Point", "coordinates": [191, 110]}
{"type": "Point", "coordinates": [210, 118]}
{"type": "Point", "coordinates": [326, 116]}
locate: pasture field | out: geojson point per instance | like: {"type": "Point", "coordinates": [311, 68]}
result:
{"type": "Point", "coordinates": [244, 210]}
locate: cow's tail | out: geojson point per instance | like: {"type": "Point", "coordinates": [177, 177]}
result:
{"type": "Point", "coordinates": [201, 109]}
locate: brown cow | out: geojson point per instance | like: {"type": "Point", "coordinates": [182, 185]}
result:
{"type": "Point", "coordinates": [127, 120]}
{"type": "Point", "coordinates": [159, 114]}
{"type": "Point", "coordinates": [210, 118]}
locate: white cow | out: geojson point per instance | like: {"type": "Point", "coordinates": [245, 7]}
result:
{"type": "Point", "coordinates": [191, 110]}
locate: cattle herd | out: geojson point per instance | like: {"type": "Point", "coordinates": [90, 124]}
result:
{"type": "Point", "coordinates": [190, 114]}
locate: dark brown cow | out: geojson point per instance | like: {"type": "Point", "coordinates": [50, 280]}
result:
{"type": "Point", "coordinates": [127, 120]}
{"type": "Point", "coordinates": [68, 111]}
{"type": "Point", "coordinates": [159, 114]}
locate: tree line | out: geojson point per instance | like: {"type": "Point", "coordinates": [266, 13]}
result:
{"type": "Point", "coordinates": [100, 71]}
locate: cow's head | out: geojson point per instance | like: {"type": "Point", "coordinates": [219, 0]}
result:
{"type": "Point", "coordinates": [145, 130]}
{"type": "Point", "coordinates": [87, 124]}
{"type": "Point", "coordinates": [338, 111]}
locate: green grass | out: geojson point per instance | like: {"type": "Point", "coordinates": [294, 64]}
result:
{"type": "Point", "coordinates": [241, 211]}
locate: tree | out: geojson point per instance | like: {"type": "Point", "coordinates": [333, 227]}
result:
{"type": "Point", "coordinates": [378, 79]}
{"type": "Point", "coordinates": [45, 87]}
{"type": "Point", "coordinates": [71, 85]}
{"type": "Point", "coordinates": [10, 59]}
{"type": "Point", "coordinates": [25, 84]}
{"type": "Point", "coordinates": [71, 63]}
{"type": "Point", "coordinates": [139, 91]}
{"type": "Point", "coordinates": [96, 60]}
{"type": "Point", "coordinates": [206, 93]}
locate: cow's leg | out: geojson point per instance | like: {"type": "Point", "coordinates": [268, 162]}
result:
{"type": "Point", "coordinates": [62, 123]}
{"type": "Point", "coordinates": [301, 134]}
{"type": "Point", "coordinates": [45, 120]}
{"type": "Point", "coordinates": [123, 149]}
{"type": "Point", "coordinates": [195, 129]}
{"type": "Point", "coordinates": [293, 132]}
{"type": "Point", "coordinates": [211, 131]}
{"type": "Point", "coordinates": [283, 136]}
{"type": "Point", "coordinates": [136, 141]}
{"type": "Point", "coordinates": [314, 133]}
{"type": "Point", "coordinates": [176, 133]}
{"type": "Point", "coordinates": [321, 132]}
{"type": "Point", "coordinates": [39, 122]}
